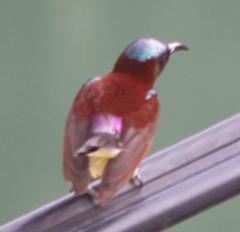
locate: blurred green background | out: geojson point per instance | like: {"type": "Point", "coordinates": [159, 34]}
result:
{"type": "Point", "coordinates": [48, 48]}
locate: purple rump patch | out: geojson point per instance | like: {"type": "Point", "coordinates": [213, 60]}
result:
{"type": "Point", "coordinates": [107, 123]}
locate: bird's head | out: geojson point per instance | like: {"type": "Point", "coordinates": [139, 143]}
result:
{"type": "Point", "coordinates": [146, 57]}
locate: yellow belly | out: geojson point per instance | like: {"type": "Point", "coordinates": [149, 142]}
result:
{"type": "Point", "coordinates": [98, 160]}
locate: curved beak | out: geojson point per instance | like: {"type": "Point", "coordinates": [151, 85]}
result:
{"type": "Point", "coordinates": [176, 46]}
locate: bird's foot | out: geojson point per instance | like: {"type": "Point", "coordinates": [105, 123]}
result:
{"type": "Point", "coordinates": [95, 196]}
{"type": "Point", "coordinates": [136, 180]}
{"type": "Point", "coordinates": [71, 190]}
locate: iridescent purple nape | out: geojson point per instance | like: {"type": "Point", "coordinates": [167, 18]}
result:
{"type": "Point", "coordinates": [107, 123]}
{"type": "Point", "coordinates": [146, 49]}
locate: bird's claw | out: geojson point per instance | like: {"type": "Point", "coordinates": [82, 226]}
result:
{"type": "Point", "coordinates": [136, 180]}
{"type": "Point", "coordinates": [95, 196]}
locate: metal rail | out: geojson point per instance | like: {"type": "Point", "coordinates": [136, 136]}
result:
{"type": "Point", "coordinates": [179, 182]}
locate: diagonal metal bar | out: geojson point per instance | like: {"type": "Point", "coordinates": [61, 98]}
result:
{"type": "Point", "coordinates": [179, 182]}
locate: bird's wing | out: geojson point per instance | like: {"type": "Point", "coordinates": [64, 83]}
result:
{"type": "Point", "coordinates": [76, 133]}
{"type": "Point", "coordinates": [75, 168]}
{"type": "Point", "coordinates": [88, 146]}
{"type": "Point", "coordinates": [90, 138]}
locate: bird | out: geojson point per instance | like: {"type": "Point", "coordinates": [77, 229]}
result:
{"type": "Point", "coordinates": [113, 120]}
